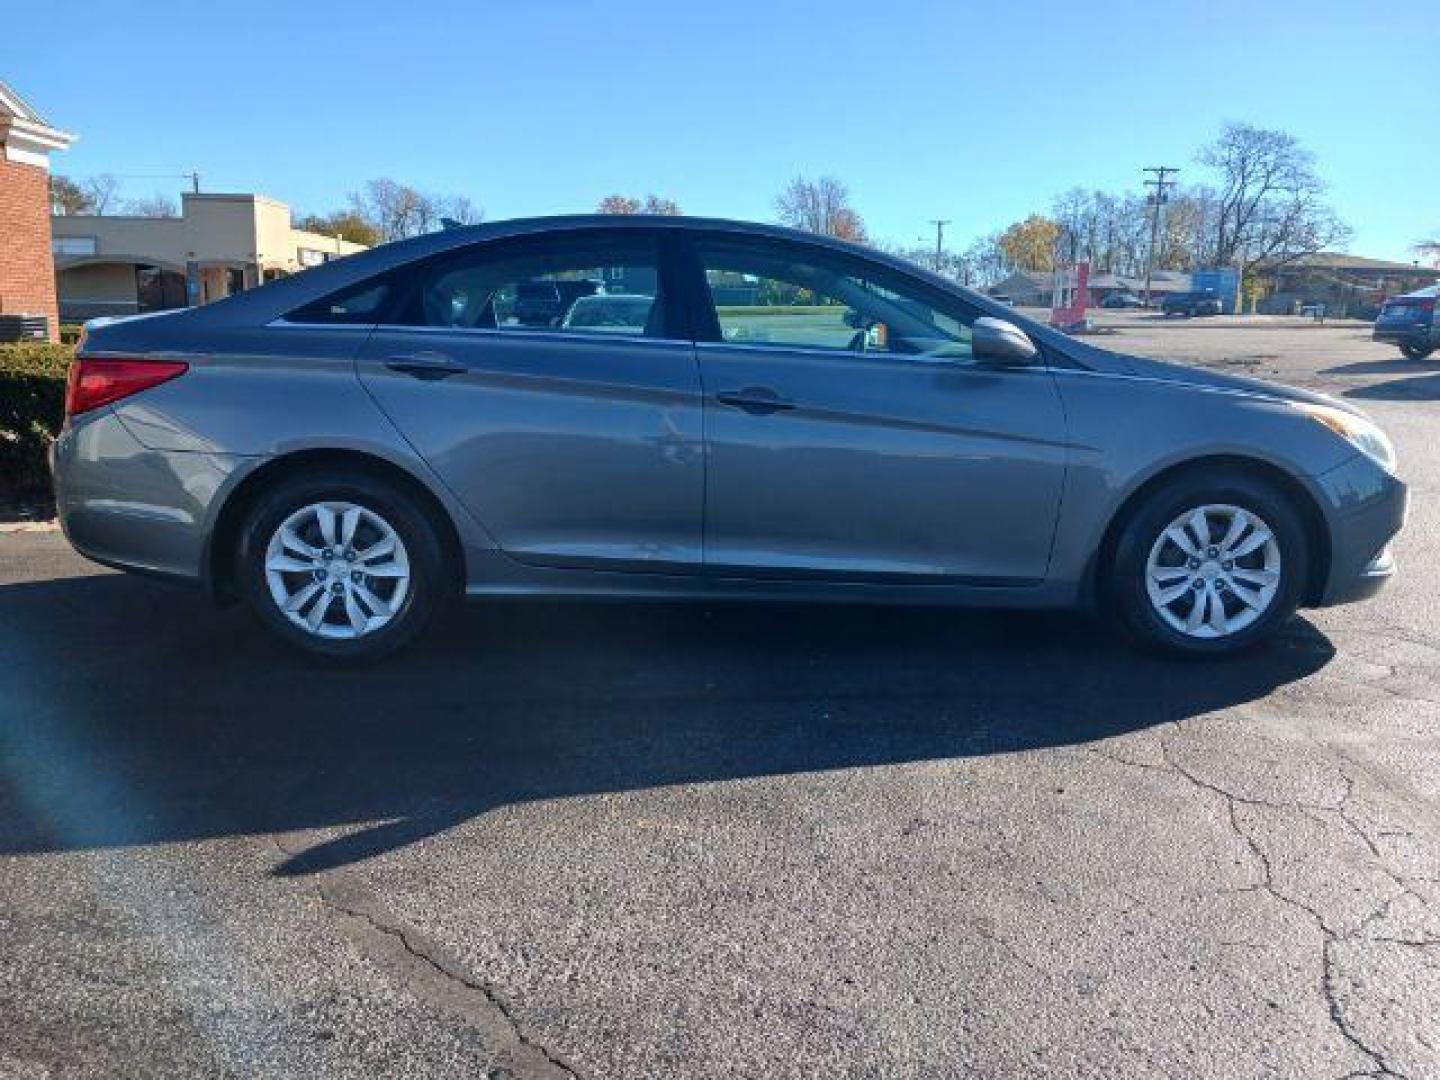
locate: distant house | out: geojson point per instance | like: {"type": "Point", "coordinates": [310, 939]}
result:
{"type": "Point", "coordinates": [219, 245]}
{"type": "Point", "coordinates": [27, 280]}
{"type": "Point", "coordinates": [1345, 284]}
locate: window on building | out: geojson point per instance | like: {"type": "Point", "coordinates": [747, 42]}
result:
{"type": "Point", "coordinates": [73, 245]}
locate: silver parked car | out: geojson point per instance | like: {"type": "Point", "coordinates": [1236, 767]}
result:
{"type": "Point", "coordinates": [784, 416]}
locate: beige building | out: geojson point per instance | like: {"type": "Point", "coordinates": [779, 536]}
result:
{"type": "Point", "coordinates": [219, 245]}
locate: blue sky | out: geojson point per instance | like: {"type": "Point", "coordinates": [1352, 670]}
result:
{"type": "Point", "coordinates": [976, 112]}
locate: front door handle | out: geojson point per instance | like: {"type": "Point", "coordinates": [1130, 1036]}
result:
{"type": "Point", "coordinates": [755, 400]}
{"type": "Point", "coordinates": [427, 366]}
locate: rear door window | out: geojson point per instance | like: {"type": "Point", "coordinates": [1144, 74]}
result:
{"type": "Point", "coordinates": [588, 285]}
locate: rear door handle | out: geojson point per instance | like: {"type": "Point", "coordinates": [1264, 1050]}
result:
{"type": "Point", "coordinates": [755, 400]}
{"type": "Point", "coordinates": [427, 366]}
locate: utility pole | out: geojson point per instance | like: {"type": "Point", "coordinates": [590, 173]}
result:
{"type": "Point", "coordinates": [939, 224]}
{"type": "Point", "coordinates": [1161, 185]}
{"type": "Point", "coordinates": [195, 182]}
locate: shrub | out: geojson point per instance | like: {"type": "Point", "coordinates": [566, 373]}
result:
{"type": "Point", "coordinates": [32, 406]}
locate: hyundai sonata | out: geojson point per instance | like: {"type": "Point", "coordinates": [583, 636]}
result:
{"type": "Point", "coordinates": [760, 413]}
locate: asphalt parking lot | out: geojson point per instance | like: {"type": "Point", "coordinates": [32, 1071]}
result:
{"type": "Point", "coordinates": [764, 841]}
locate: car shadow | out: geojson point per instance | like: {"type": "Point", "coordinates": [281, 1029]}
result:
{"type": "Point", "coordinates": [137, 714]}
{"type": "Point", "coordinates": [1390, 366]}
{"type": "Point", "coordinates": [1423, 388]}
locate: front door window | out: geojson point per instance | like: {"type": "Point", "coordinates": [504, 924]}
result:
{"type": "Point", "coordinates": [773, 295]}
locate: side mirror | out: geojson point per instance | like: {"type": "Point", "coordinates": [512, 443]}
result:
{"type": "Point", "coordinates": [997, 339]}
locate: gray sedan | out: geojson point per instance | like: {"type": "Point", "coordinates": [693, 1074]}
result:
{"type": "Point", "coordinates": [781, 416]}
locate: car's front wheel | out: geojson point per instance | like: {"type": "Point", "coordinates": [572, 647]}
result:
{"type": "Point", "coordinates": [343, 565]}
{"type": "Point", "coordinates": [1415, 352]}
{"type": "Point", "coordinates": [1209, 566]}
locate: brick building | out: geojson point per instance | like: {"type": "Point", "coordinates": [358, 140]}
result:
{"type": "Point", "coordinates": [27, 269]}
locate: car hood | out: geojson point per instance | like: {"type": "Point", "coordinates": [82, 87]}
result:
{"type": "Point", "coordinates": [1142, 367]}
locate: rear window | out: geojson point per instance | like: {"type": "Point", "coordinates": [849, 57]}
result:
{"type": "Point", "coordinates": [357, 305]}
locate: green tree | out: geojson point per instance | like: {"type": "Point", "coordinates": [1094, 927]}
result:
{"type": "Point", "coordinates": [68, 197]}
{"type": "Point", "coordinates": [347, 224]}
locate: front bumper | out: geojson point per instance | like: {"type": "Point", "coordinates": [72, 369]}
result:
{"type": "Point", "coordinates": [1366, 508]}
{"type": "Point", "coordinates": [127, 506]}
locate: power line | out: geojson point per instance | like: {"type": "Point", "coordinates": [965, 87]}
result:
{"type": "Point", "coordinates": [1157, 200]}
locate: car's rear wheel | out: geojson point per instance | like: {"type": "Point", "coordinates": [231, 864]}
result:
{"type": "Point", "coordinates": [1416, 352]}
{"type": "Point", "coordinates": [342, 565]}
{"type": "Point", "coordinates": [1209, 565]}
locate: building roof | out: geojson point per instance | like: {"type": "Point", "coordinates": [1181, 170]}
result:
{"type": "Point", "coordinates": [1338, 260]}
{"type": "Point", "coordinates": [26, 129]}
{"type": "Point", "coordinates": [17, 106]}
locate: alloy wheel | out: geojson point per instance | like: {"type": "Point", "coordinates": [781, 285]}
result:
{"type": "Point", "coordinates": [337, 570]}
{"type": "Point", "coordinates": [1213, 571]}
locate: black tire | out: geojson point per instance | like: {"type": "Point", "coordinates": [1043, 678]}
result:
{"type": "Point", "coordinates": [432, 581]}
{"type": "Point", "coordinates": [1125, 578]}
{"type": "Point", "coordinates": [1415, 352]}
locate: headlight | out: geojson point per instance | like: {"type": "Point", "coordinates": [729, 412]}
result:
{"type": "Point", "coordinates": [1356, 430]}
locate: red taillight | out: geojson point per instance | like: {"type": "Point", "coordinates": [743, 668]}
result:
{"type": "Point", "coordinates": [93, 383]}
{"type": "Point", "coordinates": [1426, 304]}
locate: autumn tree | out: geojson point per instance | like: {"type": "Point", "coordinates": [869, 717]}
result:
{"type": "Point", "coordinates": [820, 206]}
{"type": "Point", "coordinates": [1030, 244]}
{"type": "Point", "coordinates": [626, 204]}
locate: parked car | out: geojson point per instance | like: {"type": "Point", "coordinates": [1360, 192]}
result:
{"type": "Point", "coordinates": [349, 449]}
{"type": "Point", "coordinates": [545, 303]}
{"type": "Point", "coordinates": [1410, 321]}
{"type": "Point", "coordinates": [1122, 300]}
{"type": "Point", "coordinates": [1002, 298]}
{"type": "Point", "coordinates": [1192, 304]}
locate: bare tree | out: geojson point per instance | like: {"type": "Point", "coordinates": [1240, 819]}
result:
{"type": "Point", "coordinates": [397, 210]}
{"type": "Point", "coordinates": [100, 190]}
{"type": "Point", "coordinates": [820, 206]}
{"type": "Point", "coordinates": [153, 206]}
{"type": "Point", "coordinates": [654, 204]}
{"type": "Point", "coordinates": [458, 208]}
{"type": "Point", "coordinates": [1430, 249]}
{"type": "Point", "coordinates": [618, 204]}
{"type": "Point", "coordinates": [985, 262]}
{"type": "Point", "coordinates": [1270, 201]}
{"type": "Point", "coordinates": [626, 204]}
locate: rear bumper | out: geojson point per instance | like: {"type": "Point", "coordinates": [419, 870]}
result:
{"type": "Point", "coordinates": [1367, 507]}
{"type": "Point", "coordinates": [1422, 337]}
{"type": "Point", "coordinates": [127, 506]}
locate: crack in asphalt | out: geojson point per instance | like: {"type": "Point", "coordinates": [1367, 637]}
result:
{"type": "Point", "coordinates": [1331, 936]}
{"type": "Point", "coordinates": [543, 1064]}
